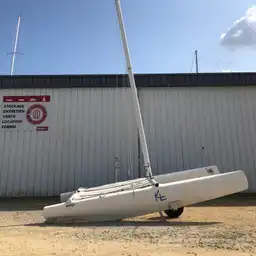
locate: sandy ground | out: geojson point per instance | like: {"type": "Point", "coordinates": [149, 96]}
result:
{"type": "Point", "coordinates": [224, 227]}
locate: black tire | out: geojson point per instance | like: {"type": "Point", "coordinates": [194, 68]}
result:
{"type": "Point", "coordinates": [174, 214]}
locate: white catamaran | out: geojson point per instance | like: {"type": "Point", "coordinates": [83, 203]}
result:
{"type": "Point", "coordinates": [168, 192]}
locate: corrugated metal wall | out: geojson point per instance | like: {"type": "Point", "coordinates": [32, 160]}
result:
{"type": "Point", "coordinates": [193, 127]}
{"type": "Point", "coordinates": [185, 128]}
{"type": "Point", "coordinates": [88, 129]}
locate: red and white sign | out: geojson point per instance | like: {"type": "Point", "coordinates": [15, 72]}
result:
{"type": "Point", "coordinates": [36, 114]}
{"type": "Point", "coordinates": [43, 98]}
{"type": "Point", "coordinates": [25, 112]}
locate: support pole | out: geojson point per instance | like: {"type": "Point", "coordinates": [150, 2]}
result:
{"type": "Point", "coordinates": [15, 46]}
{"type": "Point", "coordinates": [196, 54]}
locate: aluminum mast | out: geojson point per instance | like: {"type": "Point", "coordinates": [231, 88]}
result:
{"type": "Point", "coordinates": [15, 45]}
{"type": "Point", "coordinates": [147, 164]}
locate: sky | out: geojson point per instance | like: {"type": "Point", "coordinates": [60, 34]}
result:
{"type": "Point", "coordinates": [83, 37]}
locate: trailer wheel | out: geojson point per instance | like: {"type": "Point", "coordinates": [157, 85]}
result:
{"type": "Point", "coordinates": [174, 214]}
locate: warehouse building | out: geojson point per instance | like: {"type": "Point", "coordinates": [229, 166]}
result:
{"type": "Point", "coordinates": [62, 132]}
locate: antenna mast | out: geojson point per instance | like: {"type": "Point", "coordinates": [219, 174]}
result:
{"type": "Point", "coordinates": [196, 54]}
{"type": "Point", "coordinates": [142, 136]}
{"type": "Point", "coordinates": [15, 46]}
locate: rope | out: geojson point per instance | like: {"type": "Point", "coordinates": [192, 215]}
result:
{"type": "Point", "coordinates": [112, 188]}
{"type": "Point", "coordinates": [193, 62]}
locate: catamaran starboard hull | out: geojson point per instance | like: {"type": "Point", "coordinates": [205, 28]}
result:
{"type": "Point", "coordinates": [116, 206]}
{"type": "Point", "coordinates": [163, 178]}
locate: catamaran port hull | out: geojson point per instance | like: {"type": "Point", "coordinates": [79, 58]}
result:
{"type": "Point", "coordinates": [161, 179]}
{"type": "Point", "coordinates": [131, 203]}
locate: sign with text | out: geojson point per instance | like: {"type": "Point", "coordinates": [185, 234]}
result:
{"type": "Point", "coordinates": [25, 113]}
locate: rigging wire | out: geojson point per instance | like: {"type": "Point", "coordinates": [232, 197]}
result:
{"type": "Point", "coordinates": [193, 63]}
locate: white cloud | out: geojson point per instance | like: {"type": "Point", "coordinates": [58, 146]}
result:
{"type": "Point", "coordinates": [243, 31]}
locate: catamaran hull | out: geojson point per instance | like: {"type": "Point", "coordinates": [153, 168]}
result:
{"type": "Point", "coordinates": [151, 199]}
{"type": "Point", "coordinates": [163, 178]}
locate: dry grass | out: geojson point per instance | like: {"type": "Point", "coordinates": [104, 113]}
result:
{"type": "Point", "coordinates": [224, 227]}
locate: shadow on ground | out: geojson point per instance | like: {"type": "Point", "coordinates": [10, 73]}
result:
{"type": "Point", "coordinates": [26, 204]}
{"type": "Point", "coordinates": [37, 203]}
{"type": "Point", "coordinates": [236, 200]}
{"type": "Point", "coordinates": [125, 223]}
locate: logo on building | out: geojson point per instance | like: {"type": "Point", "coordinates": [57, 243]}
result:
{"type": "Point", "coordinates": [36, 114]}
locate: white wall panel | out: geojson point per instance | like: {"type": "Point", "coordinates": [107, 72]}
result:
{"type": "Point", "coordinates": [185, 128]}
{"type": "Point", "coordinates": [88, 128]}
{"type": "Point", "coordinates": [193, 127]}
